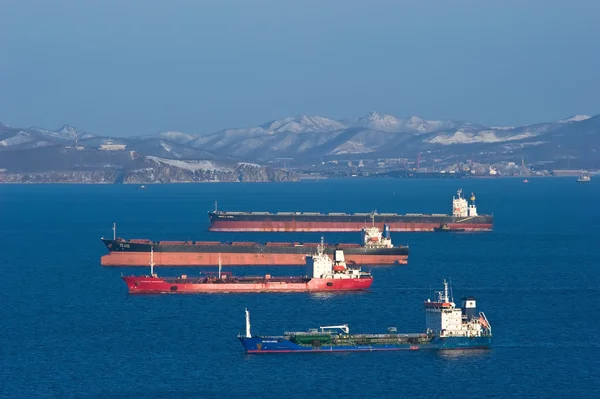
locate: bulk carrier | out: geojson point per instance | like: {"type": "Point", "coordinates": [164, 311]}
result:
{"type": "Point", "coordinates": [447, 327]}
{"type": "Point", "coordinates": [464, 216]}
{"type": "Point", "coordinates": [376, 249]}
{"type": "Point", "coordinates": [322, 275]}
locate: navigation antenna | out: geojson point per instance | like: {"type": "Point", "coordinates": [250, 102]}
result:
{"type": "Point", "coordinates": [152, 260]}
{"type": "Point", "coordinates": [219, 265]}
{"type": "Point", "coordinates": [114, 231]}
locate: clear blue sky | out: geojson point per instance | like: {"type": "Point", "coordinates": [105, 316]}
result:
{"type": "Point", "coordinates": [123, 67]}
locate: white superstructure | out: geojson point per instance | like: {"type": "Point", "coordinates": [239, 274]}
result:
{"type": "Point", "coordinates": [373, 238]}
{"type": "Point", "coordinates": [461, 207]}
{"type": "Point", "coordinates": [443, 319]}
{"type": "Point", "coordinates": [321, 265]}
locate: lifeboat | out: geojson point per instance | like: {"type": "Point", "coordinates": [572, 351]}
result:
{"type": "Point", "coordinates": [339, 268]}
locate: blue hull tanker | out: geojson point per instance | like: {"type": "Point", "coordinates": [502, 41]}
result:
{"type": "Point", "coordinates": [284, 345]}
{"type": "Point", "coordinates": [447, 328]}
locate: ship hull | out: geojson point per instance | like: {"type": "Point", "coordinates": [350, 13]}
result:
{"type": "Point", "coordinates": [281, 345]}
{"type": "Point", "coordinates": [137, 253]}
{"type": "Point", "coordinates": [157, 285]}
{"type": "Point", "coordinates": [221, 221]}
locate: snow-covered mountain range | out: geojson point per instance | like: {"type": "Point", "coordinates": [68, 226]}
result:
{"type": "Point", "coordinates": [310, 138]}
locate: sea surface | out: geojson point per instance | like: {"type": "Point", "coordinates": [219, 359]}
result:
{"type": "Point", "coordinates": [69, 329]}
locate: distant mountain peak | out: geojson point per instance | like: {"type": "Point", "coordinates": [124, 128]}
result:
{"type": "Point", "coordinates": [303, 124]}
{"type": "Point", "coordinates": [378, 116]}
{"type": "Point", "coordinates": [378, 121]}
{"type": "Point", "coordinates": [416, 119]}
{"type": "Point", "coordinates": [68, 129]}
{"type": "Point", "coordinates": [388, 123]}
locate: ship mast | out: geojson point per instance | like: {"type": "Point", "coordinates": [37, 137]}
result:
{"type": "Point", "coordinates": [114, 231]}
{"type": "Point", "coordinates": [445, 298]}
{"type": "Point", "coordinates": [248, 335]}
{"type": "Point", "coordinates": [219, 265]}
{"type": "Point", "coordinates": [152, 260]}
{"type": "Point", "coordinates": [215, 206]}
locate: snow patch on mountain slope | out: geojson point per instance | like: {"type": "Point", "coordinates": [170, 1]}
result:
{"type": "Point", "coordinates": [189, 165]}
{"type": "Point", "coordinates": [351, 147]}
{"type": "Point", "coordinates": [303, 124]}
{"type": "Point", "coordinates": [376, 121]}
{"type": "Point", "coordinates": [575, 118]}
{"type": "Point", "coordinates": [19, 138]}
{"type": "Point", "coordinates": [253, 165]}
{"type": "Point", "coordinates": [486, 136]}
{"type": "Point", "coordinates": [66, 132]}
{"type": "Point", "coordinates": [168, 148]}
{"type": "Point", "coordinates": [391, 124]}
{"type": "Point", "coordinates": [177, 137]}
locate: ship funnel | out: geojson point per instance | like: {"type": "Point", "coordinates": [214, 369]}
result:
{"type": "Point", "coordinates": [339, 256]}
{"type": "Point", "coordinates": [386, 231]}
{"type": "Point", "coordinates": [469, 307]}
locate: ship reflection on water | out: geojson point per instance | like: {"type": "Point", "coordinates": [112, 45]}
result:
{"type": "Point", "coordinates": [323, 296]}
{"type": "Point", "coordinates": [460, 354]}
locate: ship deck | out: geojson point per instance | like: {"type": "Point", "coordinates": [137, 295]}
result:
{"type": "Point", "coordinates": [312, 339]}
{"type": "Point", "coordinates": [236, 280]}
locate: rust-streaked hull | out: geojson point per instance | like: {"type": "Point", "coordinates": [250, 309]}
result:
{"type": "Point", "coordinates": [317, 226]}
{"type": "Point", "coordinates": [237, 259]}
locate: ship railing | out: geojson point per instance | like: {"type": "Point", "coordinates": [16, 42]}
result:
{"type": "Point", "coordinates": [388, 336]}
{"type": "Point", "coordinates": [359, 336]}
{"type": "Point", "coordinates": [308, 334]}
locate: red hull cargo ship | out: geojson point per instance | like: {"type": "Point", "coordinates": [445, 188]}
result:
{"type": "Point", "coordinates": [322, 275]}
{"type": "Point", "coordinates": [464, 216]}
{"type": "Point", "coordinates": [376, 249]}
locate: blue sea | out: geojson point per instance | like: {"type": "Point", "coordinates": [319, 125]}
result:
{"type": "Point", "coordinates": [69, 329]}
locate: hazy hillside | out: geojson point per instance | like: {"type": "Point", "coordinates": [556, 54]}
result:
{"type": "Point", "coordinates": [310, 139]}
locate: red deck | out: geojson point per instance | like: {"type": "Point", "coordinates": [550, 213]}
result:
{"type": "Point", "coordinates": [149, 285]}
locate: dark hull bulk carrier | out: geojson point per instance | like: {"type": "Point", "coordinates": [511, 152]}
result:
{"type": "Point", "coordinates": [376, 249]}
{"type": "Point", "coordinates": [464, 217]}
